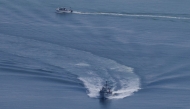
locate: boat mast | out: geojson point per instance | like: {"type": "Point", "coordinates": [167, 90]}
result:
{"type": "Point", "coordinates": [106, 84]}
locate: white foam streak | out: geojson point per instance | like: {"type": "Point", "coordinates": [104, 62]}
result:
{"type": "Point", "coordinates": [134, 15]}
{"type": "Point", "coordinates": [128, 88]}
{"type": "Point", "coordinates": [125, 83]}
{"type": "Point", "coordinates": [83, 64]}
{"type": "Point", "coordinates": [91, 69]}
{"type": "Point", "coordinates": [93, 85]}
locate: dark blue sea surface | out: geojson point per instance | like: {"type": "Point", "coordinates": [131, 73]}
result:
{"type": "Point", "coordinates": [61, 61]}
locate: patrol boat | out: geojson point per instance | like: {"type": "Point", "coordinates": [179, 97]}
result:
{"type": "Point", "coordinates": [105, 92]}
{"type": "Point", "coordinates": [64, 10]}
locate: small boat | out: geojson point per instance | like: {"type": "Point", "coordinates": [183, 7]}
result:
{"type": "Point", "coordinates": [63, 10]}
{"type": "Point", "coordinates": [105, 92]}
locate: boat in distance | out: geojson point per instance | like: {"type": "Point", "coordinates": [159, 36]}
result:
{"type": "Point", "coordinates": [105, 92]}
{"type": "Point", "coordinates": [63, 10]}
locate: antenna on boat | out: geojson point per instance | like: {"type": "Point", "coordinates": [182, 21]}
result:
{"type": "Point", "coordinates": [106, 84]}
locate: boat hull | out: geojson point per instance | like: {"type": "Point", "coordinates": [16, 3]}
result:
{"type": "Point", "coordinates": [105, 92]}
{"type": "Point", "coordinates": [105, 95]}
{"type": "Point", "coordinates": [63, 10]}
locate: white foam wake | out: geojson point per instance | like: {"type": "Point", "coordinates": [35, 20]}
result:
{"type": "Point", "coordinates": [91, 69]}
{"type": "Point", "coordinates": [128, 88]}
{"type": "Point", "coordinates": [95, 84]}
{"type": "Point", "coordinates": [135, 15]}
{"type": "Point", "coordinates": [124, 81]}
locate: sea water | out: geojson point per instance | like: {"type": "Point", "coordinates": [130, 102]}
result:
{"type": "Point", "coordinates": [61, 61]}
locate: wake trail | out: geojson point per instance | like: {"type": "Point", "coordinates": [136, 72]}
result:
{"type": "Point", "coordinates": [135, 15]}
{"type": "Point", "coordinates": [91, 69]}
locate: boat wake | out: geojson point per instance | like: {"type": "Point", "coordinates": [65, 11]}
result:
{"type": "Point", "coordinates": [123, 80]}
{"type": "Point", "coordinates": [136, 15]}
{"type": "Point", "coordinates": [92, 70]}
{"type": "Point", "coordinates": [121, 89]}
